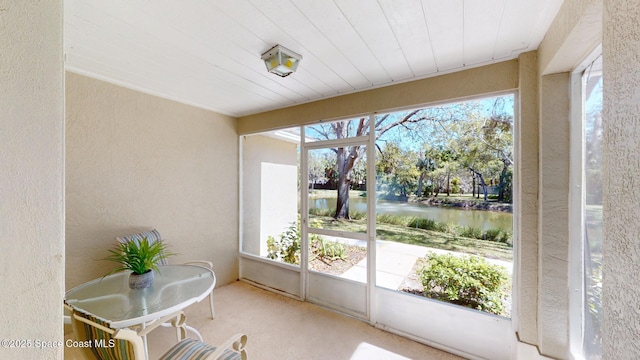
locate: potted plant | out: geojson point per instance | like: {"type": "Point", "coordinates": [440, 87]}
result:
{"type": "Point", "coordinates": [141, 257]}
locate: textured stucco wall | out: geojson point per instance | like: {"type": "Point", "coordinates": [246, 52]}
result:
{"type": "Point", "coordinates": [527, 199]}
{"type": "Point", "coordinates": [574, 33]}
{"type": "Point", "coordinates": [135, 161]}
{"type": "Point", "coordinates": [269, 199]}
{"type": "Point", "coordinates": [553, 247]}
{"type": "Point", "coordinates": [32, 176]}
{"type": "Point", "coordinates": [621, 176]}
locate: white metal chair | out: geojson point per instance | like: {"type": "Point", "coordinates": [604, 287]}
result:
{"type": "Point", "coordinates": [106, 343]}
{"type": "Point", "coordinates": [153, 236]}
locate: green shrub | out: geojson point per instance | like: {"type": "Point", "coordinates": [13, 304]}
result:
{"type": "Point", "coordinates": [468, 281]}
{"type": "Point", "coordinates": [497, 235]}
{"type": "Point", "coordinates": [353, 214]}
{"type": "Point", "coordinates": [287, 247]}
{"type": "Point", "coordinates": [427, 224]}
{"type": "Point", "coordinates": [455, 185]}
{"type": "Point", "coordinates": [356, 215]}
{"type": "Point", "coordinates": [329, 250]}
{"type": "Point", "coordinates": [391, 219]}
{"type": "Point", "coordinates": [322, 212]}
{"type": "Point", "coordinates": [470, 232]}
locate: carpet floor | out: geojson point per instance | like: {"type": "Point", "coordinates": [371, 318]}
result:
{"type": "Point", "coordinates": [282, 328]}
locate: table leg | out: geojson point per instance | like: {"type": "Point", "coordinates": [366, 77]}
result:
{"type": "Point", "coordinates": [144, 341]}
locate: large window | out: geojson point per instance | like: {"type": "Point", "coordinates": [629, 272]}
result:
{"type": "Point", "coordinates": [271, 193]}
{"type": "Point", "coordinates": [592, 235]}
{"type": "Point", "coordinates": [444, 200]}
{"type": "Point", "coordinates": [586, 211]}
{"type": "Point", "coordinates": [434, 182]}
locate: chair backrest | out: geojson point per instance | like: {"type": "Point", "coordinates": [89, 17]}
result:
{"type": "Point", "coordinates": [96, 337]}
{"type": "Point", "coordinates": [151, 236]}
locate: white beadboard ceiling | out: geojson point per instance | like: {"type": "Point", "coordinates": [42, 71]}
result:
{"type": "Point", "coordinates": [207, 52]}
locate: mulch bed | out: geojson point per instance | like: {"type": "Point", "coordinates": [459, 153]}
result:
{"type": "Point", "coordinates": [353, 255]}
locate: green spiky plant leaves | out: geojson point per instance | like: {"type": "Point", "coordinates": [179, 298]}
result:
{"type": "Point", "coordinates": [138, 256]}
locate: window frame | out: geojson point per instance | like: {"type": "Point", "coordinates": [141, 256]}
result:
{"type": "Point", "coordinates": [577, 207]}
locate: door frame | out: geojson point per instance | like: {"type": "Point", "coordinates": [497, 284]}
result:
{"type": "Point", "coordinates": [308, 277]}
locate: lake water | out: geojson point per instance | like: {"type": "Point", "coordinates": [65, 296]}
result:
{"type": "Point", "coordinates": [476, 218]}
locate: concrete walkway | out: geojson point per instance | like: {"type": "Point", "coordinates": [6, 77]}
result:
{"type": "Point", "coordinates": [395, 262]}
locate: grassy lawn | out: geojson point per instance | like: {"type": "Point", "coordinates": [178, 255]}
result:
{"type": "Point", "coordinates": [427, 238]}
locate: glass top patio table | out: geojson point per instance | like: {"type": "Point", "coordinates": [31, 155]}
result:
{"type": "Point", "coordinates": [174, 288]}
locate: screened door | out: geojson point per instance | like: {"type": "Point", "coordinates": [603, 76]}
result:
{"type": "Point", "coordinates": [336, 215]}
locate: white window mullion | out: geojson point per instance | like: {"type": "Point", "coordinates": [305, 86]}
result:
{"type": "Point", "coordinates": [304, 216]}
{"type": "Point", "coordinates": [371, 219]}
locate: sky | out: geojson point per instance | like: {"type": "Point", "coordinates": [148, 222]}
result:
{"type": "Point", "coordinates": [485, 107]}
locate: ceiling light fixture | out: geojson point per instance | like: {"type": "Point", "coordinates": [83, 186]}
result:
{"type": "Point", "coordinates": [281, 61]}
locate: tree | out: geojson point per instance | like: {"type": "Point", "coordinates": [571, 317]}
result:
{"type": "Point", "coordinates": [445, 163]}
{"type": "Point", "coordinates": [484, 146]}
{"type": "Point", "coordinates": [497, 136]}
{"type": "Point", "coordinates": [397, 168]}
{"type": "Point", "coordinates": [317, 167]}
{"type": "Point", "coordinates": [455, 185]}
{"type": "Point", "coordinates": [359, 174]}
{"type": "Point", "coordinates": [431, 125]}
{"type": "Point", "coordinates": [348, 156]}
{"type": "Point", "coordinates": [425, 166]}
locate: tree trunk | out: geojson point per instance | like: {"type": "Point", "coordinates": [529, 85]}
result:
{"type": "Point", "coordinates": [473, 185]}
{"type": "Point", "coordinates": [503, 175]}
{"type": "Point", "coordinates": [346, 158]}
{"type": "Point", "coordinates": [481, 183]}
{"type": "Point", "coordinates": [420, 181]}
{"type": "Point", "coordinates": [448, 180]}
{"type": "Point", "coordinates": [342, 202]}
